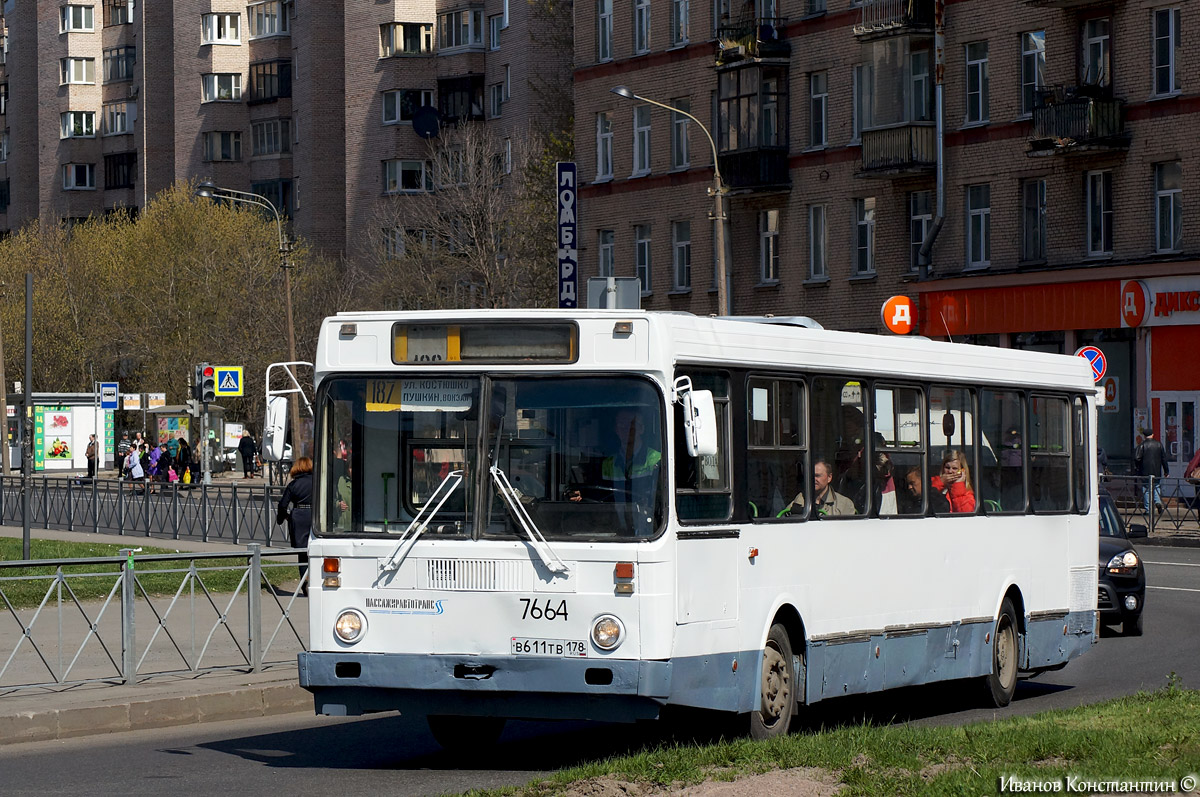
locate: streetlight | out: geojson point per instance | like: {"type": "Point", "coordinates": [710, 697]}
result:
{"type": "Point", "coordinates": [717, 192]}
{"type": "Point", "coordinates": [207, 190]}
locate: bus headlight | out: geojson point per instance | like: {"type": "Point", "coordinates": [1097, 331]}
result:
{"type": "Point", "coordinates": [607, 632]}
{"type": "Point", "coordinates": [350, 626]}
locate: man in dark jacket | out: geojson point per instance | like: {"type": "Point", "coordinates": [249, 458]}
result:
{"type": "Point", "coordinates": [295, 507]}
{"type": "Point", "coordinates": [1150, 459]}
{"type": "Point", "coordinates": [249, 451]}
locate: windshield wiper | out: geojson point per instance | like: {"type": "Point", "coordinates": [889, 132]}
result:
{"type": "Point", "coordinates": [418, 526]}
{"type": "Point", "coordinates": [550, 559]}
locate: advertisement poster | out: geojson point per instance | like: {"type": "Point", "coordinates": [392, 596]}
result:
{"type": "Point", "coordinates": [51, 436]}
{"type": "Point", "coordinates": [131, 401]}
{"type": "Point", "coordinates": [233, 434]}
{"type": "Point", "coordinates": [171, 428]}
{"type": "Point", "coordinates": [109, 433]}
{"type": "Point", "coordinates": [156, 400]}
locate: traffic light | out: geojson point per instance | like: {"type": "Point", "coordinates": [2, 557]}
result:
{"type": "Point", "coordinates": [208, 383]}
{"type": "Point", "coordinates": [198, 379]}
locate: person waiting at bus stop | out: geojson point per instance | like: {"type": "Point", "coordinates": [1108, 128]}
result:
{"type": "Point", "coordinates": [295, 507]}
{"type": "Point", "coordinates": [1150, 459]}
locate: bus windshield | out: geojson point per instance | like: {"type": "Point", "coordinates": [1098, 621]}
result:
{"type": "Point", "coordinates": [583, 456]}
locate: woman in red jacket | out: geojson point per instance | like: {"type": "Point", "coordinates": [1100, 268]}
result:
{"type": "Point", "coordinates": [955, 481]}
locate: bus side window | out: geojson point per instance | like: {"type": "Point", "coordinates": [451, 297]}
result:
{"type": "Point", "coordinates": [952, 453]}
{"type": "Point", "coordinates": [1049, 454]}
{"type": "Point", "coordinates": [775, 452]}
{"type": "Point", "coordinates": [898, 420]}
{"type": "Point", "coordinates": [1080, 459]}
{"type": "Point", "coordinates": [702, 491]}
{"type": "Point", "coordinates": [838, 448]}
{"type": "Point", "coordinates": [1001, 484]}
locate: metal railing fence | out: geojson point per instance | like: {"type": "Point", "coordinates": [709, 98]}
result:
{"type": "Point", "coordinates": [212, 513]}
{"type": "Point", "coordinates": [1178, 509]}
{"type": "Point", "coordinates": [130, 629]}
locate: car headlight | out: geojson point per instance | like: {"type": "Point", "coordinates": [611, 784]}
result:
{"type": "Point", "coordinates": [1123, 564]}
{"type": "Point", "coordinates": [350, 626]}
{"type": "Point", "coordinates": [607, 632]}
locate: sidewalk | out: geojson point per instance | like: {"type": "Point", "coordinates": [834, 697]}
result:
{"type": "Point", "coordinates": [40, 714]}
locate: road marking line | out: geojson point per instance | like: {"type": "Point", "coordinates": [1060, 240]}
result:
{"type": "Point", "coordinates": [1173, 589]}
{"type": "Point", "coordinates": [1176, 564]}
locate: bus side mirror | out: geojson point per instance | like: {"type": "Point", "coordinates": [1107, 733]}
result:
{"type": "Point", "coordinates": [275, 429]}
{"type": "Point", "coordinates": [700, 423]}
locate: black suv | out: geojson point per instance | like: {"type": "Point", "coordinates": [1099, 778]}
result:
{"type": "Point", "coordinates": [1122, 573]}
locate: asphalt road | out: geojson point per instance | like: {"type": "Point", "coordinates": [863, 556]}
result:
{"type": "Point", "coordinates": [302, 754]}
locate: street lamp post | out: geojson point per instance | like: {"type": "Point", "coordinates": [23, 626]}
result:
{"type": "Point", "coordinates": [208, 190]}
{"type": "Point", "coordinates": [717, 191]}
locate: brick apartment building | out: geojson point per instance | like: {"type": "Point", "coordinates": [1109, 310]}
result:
{"type": "Point", "coordinates": [1069, 167]}
{"type": "Point", "coordinates": [104, 103]}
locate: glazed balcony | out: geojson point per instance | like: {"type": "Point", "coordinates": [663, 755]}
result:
{"type": "Point", "coordinates": [753, 37]}
{"type": "Point", "coordinates": [880, 18]}
{"type": "Point", "coordinates": [1067, 4]}
{"type": "Point", "coordinates": [1078, 124]}
{"type": "Point", "coordinates": [900, 150]}
{"type": "Point", "coordinates": [761, 169]}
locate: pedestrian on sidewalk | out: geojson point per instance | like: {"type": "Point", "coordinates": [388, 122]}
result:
{"type": "Point", "coordinates": [295, 506]}
{"type": "Point", "coordinates": [123, 448]}
{"type": "Point", "coordinates": [90, 453]}
{"type": "Point", "coordinates": [1151, 462]}
{"type": "Point", "coordinates": [133, 466]}
{"type": "Point", "coordinates": [248, 450]}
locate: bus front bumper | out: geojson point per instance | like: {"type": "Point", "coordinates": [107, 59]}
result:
{"type": "Point", "coordinates": [349, 684]}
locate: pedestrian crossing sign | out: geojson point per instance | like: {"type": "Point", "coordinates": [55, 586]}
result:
{"type": "Point", "coordinates": [229, 380]}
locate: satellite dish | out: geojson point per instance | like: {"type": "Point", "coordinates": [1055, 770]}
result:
{"type": "Point", "coordinates": [425, 121]}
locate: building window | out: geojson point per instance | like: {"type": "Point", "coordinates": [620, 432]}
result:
{"type": "Point", "coordinates": [864, 236]}
{"type": "Point", "coordinates": [1168, 206]}
{"type": "Point", "coordinates": [118, 64]}
{"type": "Point", "coordinates": [679, 21]}
{"type": "Point", "coordinates": [508, 163]}
{"type": "Point", "coordinates": [224, 87]}
{"type": "Point", "coordinates": [1099, 213]}
{"type": "Point", "coordinates": [407, 177]}
{"type": "Point", "coordinates": [1033, 220]}
{"type": "Point", "coordinates": [604, 146]}
{"type": "Point", "coordinates": [77, 124]}
{"type": "Point", "coordinates": [119, 118]}
{"type": "Point", "coordinates": [749, 104]}
{"type": "Point", "coordinates": [641, 256]}
{"type": "Point", "coordinates": [641, 140]}
{"type": "Point", "coordinates": [78, 70]}
{"type": "Point", "coordinates": [604, 263]}
{"type": "Point", "coordinates": [401, 104]}
{"type": "Point", "coordinates": [272, 137]}
{"type": "Point", "coordinates": [641, 26]}
{"type": "Point", "coordinates": [279, 193]}
{"type": "Point", "coordinates": [118, 12]}
{"type": "Point", "coordinates": [979, 225]}
{"type": "Point", "coordinates": [818, 267]}
{"type": "Point", "coordinates": [497, 99]}
{"type": "Point", "coordinates": [1097, 53]}
{"type": "Point", "coordinates": [495, 25]}
{"type": "Point", "coordinates": [4, 195]}
{"type": "Point", "coordinates": [405, 38]}
{"type": "Point", "coordinates": [768, 245]}
{"type": "Point", "coordinates": [863, 99]}
{"type": "Point", "coordinates": [977, 82]}
{"type": "Point", "coordinates": [681, 249]}
{"type": "Point", "coordinates": [1033, 68]}
{"type": "Point", "coordinates": [1168, 44]}
{"type": "Point", "coordinates": [919, 84]}
{"type": "Point", "coordinates": [818, 104]}
{"type": "Point", "coordinates": [268, 18]}
{"type": "Point", "coordinates": [463, 28]}
{"type": "Point", "coordinates": [76, 19]}
{"type": "Point", "coordinates": [3, 146]}
{"type": "Point", "coordinates": [79, 176]}
{"type": "Point", "coordinates": [120, 170]}
{"type": "Point", "coordinates": [223, 146]}
{"type": "Point", "coordinates": [270, 80]}
{"type": "Point", "coordinates": [680, 157]}
{"type": "Point", "coordinates": [221, 28]}
{"type": "Point", "coordinates": [920, 219]}
{"type": "Point", "coordinates": [4, 98]}
{"type": "Point", "coordinates": [461, 98]}
{"type": "Point", "coordinates": [604, 30]}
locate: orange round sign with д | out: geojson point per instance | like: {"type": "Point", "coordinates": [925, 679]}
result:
{"type": "Point", "coordinates": [899, 315]}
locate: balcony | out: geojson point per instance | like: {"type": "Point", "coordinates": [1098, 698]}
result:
{"type": "Point", "coordinates": [882, 18]}
{"type": "Point", "coordinates": [753, 37]}
{"type": "Point", "coordinates": [906, 149]}
{"type": "Point", "coordinates": [1079, 124]}
{"type": "Point", "coordinates": [762, 169]}
{"type": "Point", "coordinates": [1067, 4]}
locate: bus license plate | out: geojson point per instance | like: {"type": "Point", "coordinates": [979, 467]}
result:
{"type": "Point", "coordinates": [564, 648]}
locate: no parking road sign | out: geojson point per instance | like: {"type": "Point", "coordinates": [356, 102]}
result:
{"type": "Point", "coordinates": [1097, 359]}
{"type": "Point", "coordinates": [228, 380]}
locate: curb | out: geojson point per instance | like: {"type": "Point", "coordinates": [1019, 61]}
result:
{"type": "Point", "coordinates": [1169, 542]}
{"type": "Point", "coordinates": [158, 712]}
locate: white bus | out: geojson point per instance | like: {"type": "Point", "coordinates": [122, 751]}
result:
{"type": "Point", "coordinates": [595, 514]}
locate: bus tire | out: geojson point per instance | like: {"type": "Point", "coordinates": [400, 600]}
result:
{"type": "Point", "coordinates": [460, 734]}
{"type": "Point", "coordinates": [777, 687]}
{"type": "Point", "coordinates": [1001, 683]}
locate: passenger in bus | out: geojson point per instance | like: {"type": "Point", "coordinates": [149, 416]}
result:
{"type": "Point", "coordinates": [344, 491]}
{"type": "Point", "coordinates": [852, 479]}
{"type": "Point", "coordinates": [954, 481]}
{"type": "Point", "coordinates": [914, 483]}
{"type": "Point", "coordinates": [829, 503]}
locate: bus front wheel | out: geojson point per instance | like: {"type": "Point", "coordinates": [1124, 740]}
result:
{"type": "Point", "coordinates": [777, 689]}
{"type": "Point", "coordinates": [465, 733]}
{"type": "Point", "coordinates": [1001, 683]}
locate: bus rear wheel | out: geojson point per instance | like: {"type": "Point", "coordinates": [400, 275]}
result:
{"type": "Point", "coordinates": [777, 689]}
{"type": "Point", "coordinates": [464, 733]}
{"type": "Point", "coordinates": [1001, 683]}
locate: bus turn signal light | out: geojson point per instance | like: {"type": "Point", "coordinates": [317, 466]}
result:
{"type": "Point", "coordinates": [331, 570]}
{"type": "Point", "coordinates": [623, 576]}
{"type": "Point", "coordinates": [623, 570]}
{"type": "Point", "coordinates": [331, 565]}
